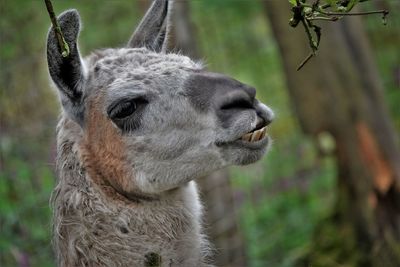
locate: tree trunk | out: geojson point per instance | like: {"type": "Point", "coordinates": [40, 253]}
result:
{"type": "Point", "coordinates": [339, 93]}
{"type": "Point", "coordinates": [220, 220]}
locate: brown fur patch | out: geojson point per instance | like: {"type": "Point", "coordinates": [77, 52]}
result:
{"type": "Point", "coordinates": [104, 156]}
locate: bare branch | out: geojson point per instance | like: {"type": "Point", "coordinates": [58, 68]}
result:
{"type": "Point", "coordinates": [64, 48]}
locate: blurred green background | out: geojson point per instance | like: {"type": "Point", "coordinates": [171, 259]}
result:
{"type": "Point", "coordinates": [280, 201]}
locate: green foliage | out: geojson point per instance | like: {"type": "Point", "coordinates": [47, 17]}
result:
{"type": "Point", "coordinates": [329, 249]}
{"type": "Point", "coordinates": [25, 226]}
{"type": "Point", "coordinates": [284, 202]}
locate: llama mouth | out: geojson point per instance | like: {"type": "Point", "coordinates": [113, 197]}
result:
{"type": "Point", "coordinates": [255, 135]}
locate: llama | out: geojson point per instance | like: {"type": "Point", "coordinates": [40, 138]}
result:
{"type": "Point", "coordinates": [138, 125]}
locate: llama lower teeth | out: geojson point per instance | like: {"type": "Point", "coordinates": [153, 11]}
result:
{"type": "Point", "coordinates": [255, 135]}
{"type": "Point", "coordinates": [247, 137]}
{"type": "Point", "coordinates": [263, 133]}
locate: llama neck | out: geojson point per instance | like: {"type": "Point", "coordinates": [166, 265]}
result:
{"type": "Point", "coordinates": [87, 223]}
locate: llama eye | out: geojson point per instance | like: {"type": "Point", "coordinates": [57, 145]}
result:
{"type": "Point", "coordinates": [123, 110]}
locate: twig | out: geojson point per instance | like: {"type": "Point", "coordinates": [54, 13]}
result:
{"type": "Point", "coordinates": [313, 44]}
{"type": "Point", "coordinates": [309, 35]}
{"type": "Point", "coordinates": [305, 61]}
{"type": "Point", "coordinates": [383, 12]}
{"type": "Point", "coordinates": [323, 18]}
{"type": "Point", "coordinates": [64, 48]}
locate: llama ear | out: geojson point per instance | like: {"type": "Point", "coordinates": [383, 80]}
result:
{"type": "Point", "coordinates": [67, 72]}
{"type": "Point", "coordinates": [152, 30]}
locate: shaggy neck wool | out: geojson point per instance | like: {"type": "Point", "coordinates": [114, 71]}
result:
{"type": "Point", "coordinates": [95, 226]}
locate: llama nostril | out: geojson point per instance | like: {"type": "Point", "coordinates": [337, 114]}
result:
{"type": "Point", "coordinates": [235, 99]}
{"type": "Point", "coordinates": [240, 103]}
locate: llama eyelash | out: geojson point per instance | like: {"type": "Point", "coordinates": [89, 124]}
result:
{"type": "Point", "coordinates": [131, 124]}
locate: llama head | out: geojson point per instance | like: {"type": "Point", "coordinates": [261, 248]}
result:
{"type": "Point", "coordinates": [150, 120]}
